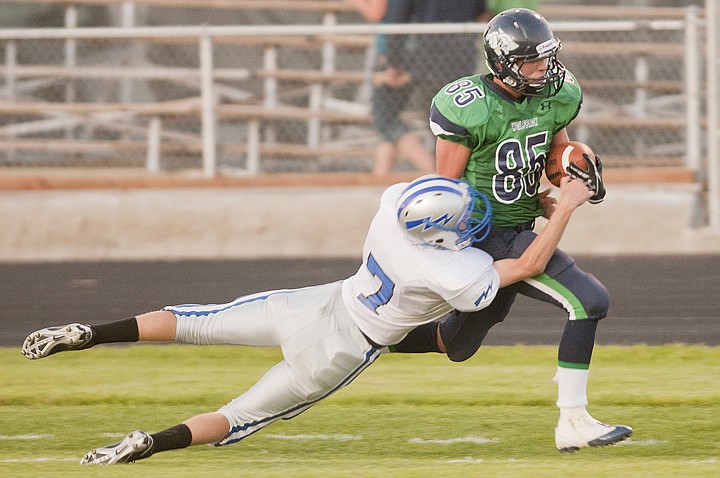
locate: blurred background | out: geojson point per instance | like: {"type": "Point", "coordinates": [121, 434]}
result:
{"type": "Point", "coordinates": [147, 116]}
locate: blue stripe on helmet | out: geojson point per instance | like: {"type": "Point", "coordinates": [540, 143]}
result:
{"type": "Point", "coordinates": [423, 191]}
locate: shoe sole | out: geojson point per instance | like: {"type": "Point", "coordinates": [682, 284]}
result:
{"type": "Point", "coordinates": [66, 338]}
{"type": "Point", "coordinates": [612, 438]}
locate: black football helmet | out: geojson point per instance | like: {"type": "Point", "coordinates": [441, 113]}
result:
{"type": "Point", "coordinates": [522, 34]}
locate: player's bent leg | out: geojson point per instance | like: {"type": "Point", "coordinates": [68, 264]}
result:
{"type": "Point", "coordinates": [311, 372]}
{"type": "Point", "coordinates": [586, 301]}
{"type": "Point", "coordinates": [420, 340]}
{"type": "Point", "coordinates": [581, 295]}
{"type": "Point", "coordinates": [459, 335]}
{"type": "Point", "coordinates": [583, 298]}
{"type": "Point", "coordinates": [463, 333]}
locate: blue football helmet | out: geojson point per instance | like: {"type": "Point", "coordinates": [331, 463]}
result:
{"type": "Point", "coordinates": [444, 213]}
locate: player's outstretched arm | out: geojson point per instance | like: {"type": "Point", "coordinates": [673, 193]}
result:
{"type": "Point", "coordinates": [573, 193]}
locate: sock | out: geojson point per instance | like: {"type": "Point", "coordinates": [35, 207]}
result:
{"type": "Point", "coordinates": [421, 339]}
{"type": "Point", "coordinates": [125, 330]}
{"type": "Point", "coordinates": [572, 388]}
{"type": "Point", "coordinates": [173, 438]}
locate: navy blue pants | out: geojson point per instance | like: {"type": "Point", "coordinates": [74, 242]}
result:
{"type": "Point", "coordinates": [584, 299]}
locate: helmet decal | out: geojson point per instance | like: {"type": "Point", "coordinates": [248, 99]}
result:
{"type": "Point", "coordinates": [429, 222]}
{"type": "Point", "coordinates": [549, 46]}
{"type": "Point", "coordinates": [501, 42]}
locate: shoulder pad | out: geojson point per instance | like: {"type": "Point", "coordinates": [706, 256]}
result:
{"type": "Point", "coordinates": [463, 106]}
{"type": "Point", "coordinates": [570, 91]}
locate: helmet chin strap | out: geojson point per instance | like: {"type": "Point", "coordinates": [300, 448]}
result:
{"type": "Point", "coordinates": [524, 86]}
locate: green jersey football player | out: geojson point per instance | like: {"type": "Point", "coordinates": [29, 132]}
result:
{"type": "Point", "coordinates": [494, 131]}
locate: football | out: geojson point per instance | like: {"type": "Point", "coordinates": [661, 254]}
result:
{"type": "Point", "coordinates": [562, 154]}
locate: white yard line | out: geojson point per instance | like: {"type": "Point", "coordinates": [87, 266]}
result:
{"type": "Point", "coordinates": [632, 442]}
{"type": "Point", "coordinates": [452, 441]}
{"type": "Point", "coordinates": [37, 460]}
{"type": "Point", "coordinates": [24, 437]}
{"type": "Point", "coordinates": [315, 437]}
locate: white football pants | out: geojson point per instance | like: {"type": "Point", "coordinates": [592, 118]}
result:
{"type": "Point", "coordinates": [322, 347]}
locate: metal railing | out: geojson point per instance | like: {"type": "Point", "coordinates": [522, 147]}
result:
{"type": "Point", "coordinates": [328, 38]}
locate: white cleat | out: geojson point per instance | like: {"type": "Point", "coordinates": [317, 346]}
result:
{"type": "Point", "coordinates": [135, 446]}
{"type": "Point", "coordinates": [51, 340]}
{"type": "Point", "coordinates": [582, 430]}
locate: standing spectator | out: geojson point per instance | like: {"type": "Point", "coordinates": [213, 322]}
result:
{"type": "Point", "coordinates": [390, 95]}
{"type": "Point", "coordinates": [433, 60]}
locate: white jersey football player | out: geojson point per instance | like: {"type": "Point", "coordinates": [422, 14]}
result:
{"type": "Point", "coordinates": [417, 266]}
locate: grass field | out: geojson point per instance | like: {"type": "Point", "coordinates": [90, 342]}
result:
{"type": "Point", "coordinates": [406, 416]}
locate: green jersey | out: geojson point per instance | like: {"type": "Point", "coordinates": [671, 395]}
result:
{"type": "Point", "coordinates": [508, 139]}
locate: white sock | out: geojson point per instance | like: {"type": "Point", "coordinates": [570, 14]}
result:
{"type": "Point", "coordinates": [572, 387]}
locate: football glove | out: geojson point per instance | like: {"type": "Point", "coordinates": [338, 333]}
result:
{"type": "Point", "coordinates": [592, 178]}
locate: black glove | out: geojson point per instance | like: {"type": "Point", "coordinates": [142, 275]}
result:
{"type": "Point", "coordinates": [592, 178]}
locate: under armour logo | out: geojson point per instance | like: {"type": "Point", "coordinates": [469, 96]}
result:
{"type": "Point", "coordinates": [545, 105]}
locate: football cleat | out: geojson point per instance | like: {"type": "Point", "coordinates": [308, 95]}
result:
{"type": "Point", "coordinates": [582, 430]}
{"type": "Point", "coordinates": [51, 340]}
{"type": "Point", "coordinates": [135, 446]}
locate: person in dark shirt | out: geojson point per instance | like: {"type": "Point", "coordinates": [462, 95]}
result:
{"type": "Point", "coordinates": [391, 92]}
{"type": "Point", "coordinates": [433, 60]}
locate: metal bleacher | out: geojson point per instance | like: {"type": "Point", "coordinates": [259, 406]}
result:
{"type": "Point", "coordinates": [146, 97]}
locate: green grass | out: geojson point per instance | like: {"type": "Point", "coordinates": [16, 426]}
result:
{"type": "Point", "coordinates": [382, 425]}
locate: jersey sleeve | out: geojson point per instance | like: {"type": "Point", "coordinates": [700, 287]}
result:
{"type": "Point", "coordinates": [462, 125]}
{"type": "Point", "coordinates": [479, 293]}
{"type": "Point", "coordinates": [464, 279]}
{"type": "Point", "coordinates": [444, 128]}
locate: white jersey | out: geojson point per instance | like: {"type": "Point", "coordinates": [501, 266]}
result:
{"type": "Point", "coordinates": [402, 284]}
